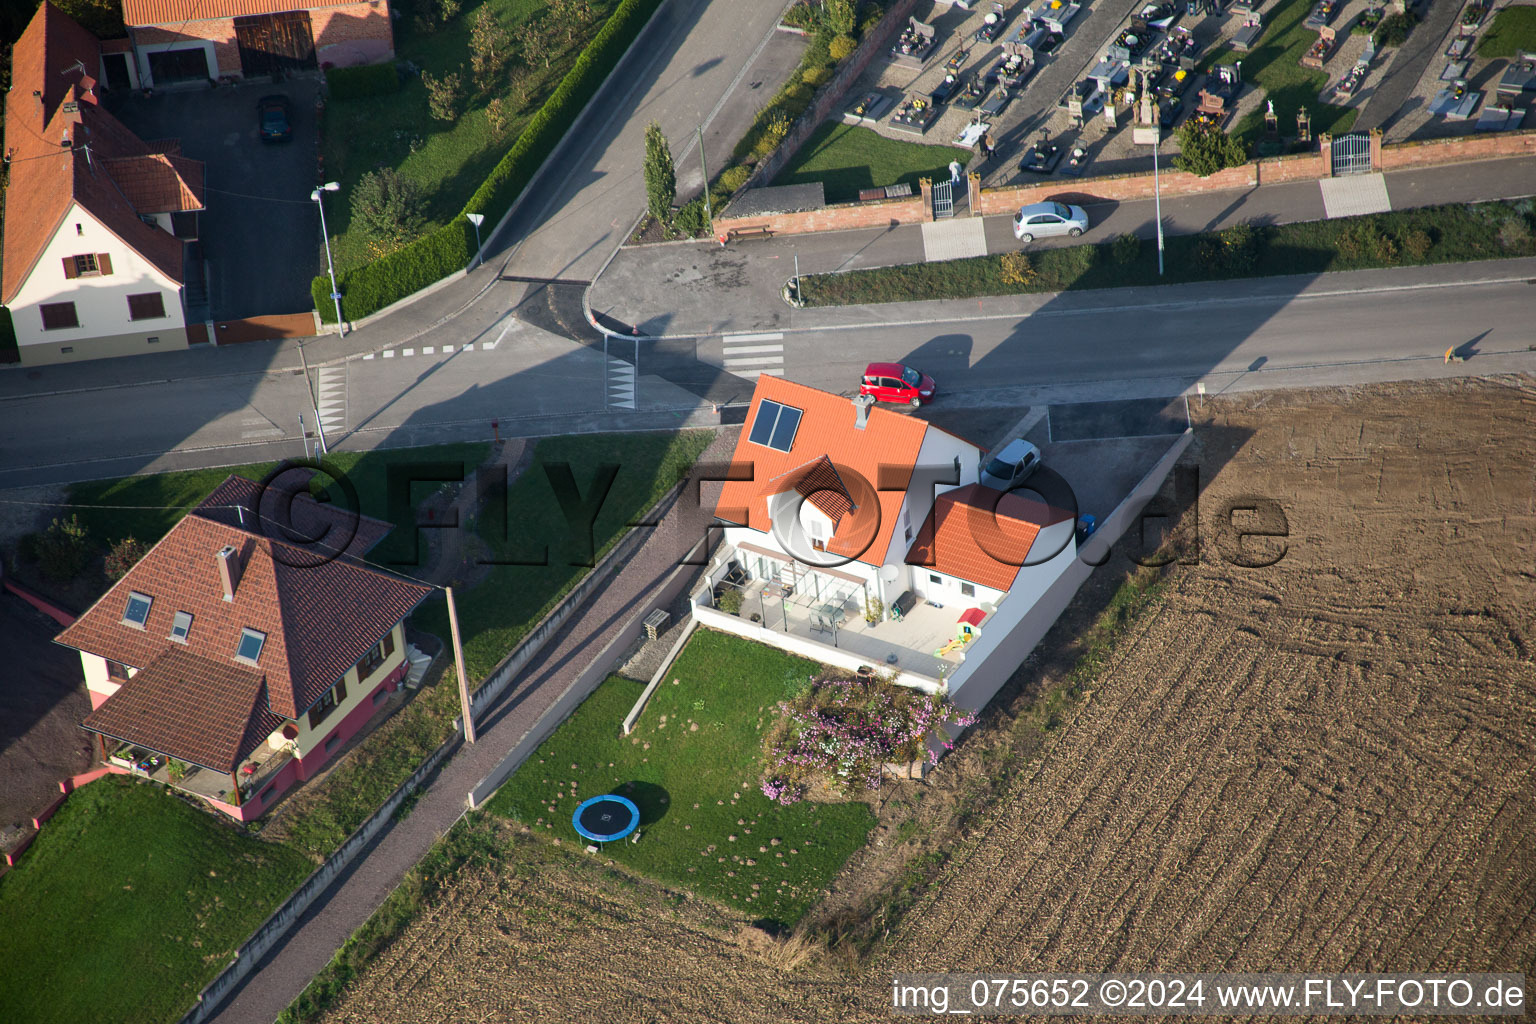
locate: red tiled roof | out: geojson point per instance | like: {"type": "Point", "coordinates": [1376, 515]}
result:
{"type": "Point", "coordinates": [199, 710]}
{"type": "Point", "coordinates": [970, 538]}
{"type": "Point", "coordinates": [283, 510]}
{"type": "Point", "coordinates": [888, 440]}
{"type": "Point", "coordinates": [158, 183]}
{"type": "Point", "coordinates": [319, 619]}
{"type": "Point", "coordinates": [139, 13]}
{"type": "Point", "coordinates": [46, 177]}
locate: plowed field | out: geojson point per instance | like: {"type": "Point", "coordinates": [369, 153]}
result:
{"type": "Point", "coordinates": [1323, 764]}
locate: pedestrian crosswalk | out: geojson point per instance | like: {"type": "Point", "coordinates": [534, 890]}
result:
{"type": "Point", "coordinates": [752, 355]}
{"type": "Point", "coordinates": [621, 384]}
{"type": "Point", "coordinates": [331, 400]}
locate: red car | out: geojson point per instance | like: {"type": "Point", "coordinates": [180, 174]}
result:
{"type": "Point", "coordinates": [893, 382]}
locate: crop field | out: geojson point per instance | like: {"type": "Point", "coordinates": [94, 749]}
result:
{"type": "Point", "coordinates": [1325, 763]}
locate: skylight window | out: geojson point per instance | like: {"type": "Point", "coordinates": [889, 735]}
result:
{"type": "Point", "coordinates": [251, 643]}
{"type": "Point", "coordinates": [137, 612]}
{"type": "Point", "coordinates": [181, 625]}
{"type": "Point", "coordinates": [775, 426]}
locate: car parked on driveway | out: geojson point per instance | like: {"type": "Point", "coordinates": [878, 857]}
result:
{"type": "Point", "coordinates": [893, 382]}
{"type": "Point", "coordinates": [274, 115]}
{"type": "Point", "coordinates": [1012, 466]}
{"type": "Point", "coordinates": [1044, 220]}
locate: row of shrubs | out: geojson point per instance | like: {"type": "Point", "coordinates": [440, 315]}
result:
{"type": "Point", "coordinates": [368, 289]}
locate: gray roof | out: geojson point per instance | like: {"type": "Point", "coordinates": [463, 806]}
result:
{"type": "Point", "coordinates": [755, 202]}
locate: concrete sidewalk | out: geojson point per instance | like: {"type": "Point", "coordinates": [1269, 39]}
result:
{"type": "Point", "coordinates": [694, 289]}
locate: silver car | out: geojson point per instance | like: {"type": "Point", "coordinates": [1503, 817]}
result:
{"type": "Point", "coordinates": [1012, 466]}
{"type": "Point", "coordinates": [1043, 220]}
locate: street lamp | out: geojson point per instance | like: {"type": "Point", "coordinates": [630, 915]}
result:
{"type": "Point", "coordinates": [477, 219]}
{"type": "Point", "coordinates": [1157, 187]}
{"type": "Point", "coordinates": [330, 186]}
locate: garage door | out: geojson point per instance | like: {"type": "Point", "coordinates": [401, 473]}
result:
{"type": "Point", "coordinates": [182, 65]}
{"type": "Point", "coordinates": [275, 43]}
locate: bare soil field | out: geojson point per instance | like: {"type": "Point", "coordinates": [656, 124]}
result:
{"type": "Point", "coordinates": [1321, 764]}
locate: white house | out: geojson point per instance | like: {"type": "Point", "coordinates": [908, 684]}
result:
{"type": "Point", "coordinates": [852, 512]}
{"type": "Point", "coordinates": [96, 219]}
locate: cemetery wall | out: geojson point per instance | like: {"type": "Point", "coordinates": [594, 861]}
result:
{"type": "Point", "coordinates": [1454, 151]}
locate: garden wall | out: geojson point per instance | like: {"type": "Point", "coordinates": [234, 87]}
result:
{"type": "Point", "coordinates": [843, 217]}
{"type": "Point", "coordinates": [1492, 146]}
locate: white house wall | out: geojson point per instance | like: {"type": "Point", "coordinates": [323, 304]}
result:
{"type": "Point", "coordinates": [938, 453]}
{"type": "Point", "coordinates": [101, 302]}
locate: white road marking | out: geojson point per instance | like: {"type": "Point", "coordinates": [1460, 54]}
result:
{"type": "Point", "coordinates": [389, 353]}
{"type": "Point", "coordinates": [735, 339]}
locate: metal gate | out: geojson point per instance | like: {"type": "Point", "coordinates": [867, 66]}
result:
{"type": "Point", "coordinates": [1352, 154]}
{"type": "Point", "coordinates": [943, 199]}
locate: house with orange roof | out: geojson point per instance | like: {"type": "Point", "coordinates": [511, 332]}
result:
{"type": "Point", "coordinates": [862, 537]}
{"type": "Point", "coordinates": [193, 41]}
{"type": "Point", "coordinates": [96, 219]}
{"type": "Point", "coordinates": [235, 665]}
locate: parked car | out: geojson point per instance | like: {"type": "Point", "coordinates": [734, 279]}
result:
{"type": "Point", "coordinates": [1043, 220]}
{"type": "Point", "coordinates": [274, 115]}
{"type": "Point", "coordinates": [893, 382]}
{"type": "Point", "coordinates": [1012, 466]}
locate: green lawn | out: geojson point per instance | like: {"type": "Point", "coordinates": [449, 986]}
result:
{"type": "Point", "coordinates": [1273, 65]}
{"type": "Point", "coordinates": [494, 615]}
{"type": "Point", "coordinates": [1513, 29]}
{"type": "Point", "coordinates": [128, 903]}
{"type": "Point", "coordinates": [450, 159]}
{"type": "Point", "coordinates": [1436, 234]}
{"type": "Point", "coordinates": [847, 158]}
{"type": "Point", "coordinates": [692, 765]}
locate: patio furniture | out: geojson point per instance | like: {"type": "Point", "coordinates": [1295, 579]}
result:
{"type": "Point", "coordinates": [833, 611]}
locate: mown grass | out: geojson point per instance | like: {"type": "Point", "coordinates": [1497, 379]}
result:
{"type": "Point", "coordinates": [450, 159]}
{"type": "Point", "coordinates": [1513, 29]}
{"type": "Point", "coordinates": [1274, 66]}
{"type": "Point", "coordinates": [847, 158]}
{"type": "Point", "coordinates": [128, 903]}
{"type": "Point", "coordinates": [692, 765]}
{"type": "Point", "coordinates": [1438, 234]}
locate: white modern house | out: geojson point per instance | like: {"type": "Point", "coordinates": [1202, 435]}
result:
{"type": "Point", "coordinates": [96, 219]}
{"type": "Point", "coordinates": [863, 538]}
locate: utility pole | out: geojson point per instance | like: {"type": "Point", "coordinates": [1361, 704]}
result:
{"type": "Point", "coordinates": [1157, 187]}
{"type": "Point", "coordinates": [708, 213]}
{"type": "Point", "coordinates": [458, 660]}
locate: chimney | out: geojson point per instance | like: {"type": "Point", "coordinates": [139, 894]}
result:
{"type": "Point", "coordinates": [229, 570]}
{"type": "Point", "coordinates": [861, 406]}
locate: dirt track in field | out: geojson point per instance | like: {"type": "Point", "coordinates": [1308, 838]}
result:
{"type": "Point", "coordinates": [1324, 764]}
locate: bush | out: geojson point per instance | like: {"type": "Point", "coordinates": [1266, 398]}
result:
{"type": "Point", "coordinates": [691, 219]}
{"type": "Point", "coordinates": [124, 555]}
{"type": "Point", "coordinates": [1125, 249]}
{"type": "Point", "coordinates": [1364, 240]}
{"type": "Point", "coordinates": [360, 83]}
{"type": "Point", "coordinates": [1515, 234]}
{"type": "Point", "coordinates": [733, 178]}
{"type": "Point", "coordinates": [1394, 29]}
{"type": "Point", "coordinates": [816, 77]}
{"type": "Point", "coordinates": [841, 47]}
{"type": "Point", "coordinates": [1017, 268]}
{"type": "Point", "coordinates": [369, 288]}
{"type": "Point", "coordinates": [63, 549]}
{"type": "Point", "coordinates": [386, 206]}
{"type": "Point", "coordinates": [1233, 252]}
{"type": "Point", "coordinates": [838, 16]}
{"type": "Point", "coordinates": [660, 175]}
{"type": "Point", "coordinates": [1205, 149]}
{"type": "Point", "coordinates": [1417, 244]}
{"type": "Point", "coordinates": [729, 601]}
{"type": "Point", "coordinates": [443, 94]}
{"type": "Point", "coordinates": [872, 16]}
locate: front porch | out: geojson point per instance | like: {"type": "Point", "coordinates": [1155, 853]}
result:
{"type": "Point", "coordinates": [255, 773]}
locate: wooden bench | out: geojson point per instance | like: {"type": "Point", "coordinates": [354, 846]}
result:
{"type": "Point", "coordinates": [761, 231]}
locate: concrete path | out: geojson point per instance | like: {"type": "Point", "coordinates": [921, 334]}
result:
{"type": "Point", "coordinates": [692, 290]}
{"type": "Point", "coordinates": [284, 973]}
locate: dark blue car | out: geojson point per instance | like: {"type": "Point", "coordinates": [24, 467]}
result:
{"type": "Point", "coordinates": [274, 114]}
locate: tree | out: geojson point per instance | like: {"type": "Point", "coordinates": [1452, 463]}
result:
{"type": "Point", "coordinates": [102, 18]}
{"type": "Point", "coordinates": [535, 43]}
{"type": "Point", "coordinates": [488, 46]}
{"type": "Point", "coordinates": [1205, 149]}
{"type": "Point", "coordinates": [385, 205]}
{"type": "Point", "coordinates": [443, 94]}
{"type": "Point", "coordinates": [63, 549]}
{"type": "Point", "coordinates": [660, 177]}
{"type": "Point", "coordinates": [124, 555]}
{"type": "Point", "coordinates": [838, 16]}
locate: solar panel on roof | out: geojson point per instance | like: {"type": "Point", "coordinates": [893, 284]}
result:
{"type": "Point", "coordinates": [775, 425]}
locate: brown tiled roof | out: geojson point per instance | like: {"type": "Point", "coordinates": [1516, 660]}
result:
{"type": "Point", "coordinates": [969, 537]}
{"type": "Point", "coordinates": [888, 440]}
{"type": "Point", "coordinates": [46, 177]}
{"type": "Point", "coordinates": [246, 504]}
{"type": "Point", "coordinates": [139, 13]}
{"type": "Point", "coordinates": [319, 619]}
{"type": "Point", "coordinates": [205, 712]}
{"type": "Point", "coordinates": [158, 183]}
{"type": "Point", "coordinates": [819, 484]}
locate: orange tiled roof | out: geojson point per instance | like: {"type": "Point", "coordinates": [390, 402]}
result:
{"type": "Point", "coordinates": [158, 183]}
{"type": "Point", "coordinates": [969, 537]}
{"type": "Point", "coordinates": [827, 428]}
{"type": "Point", "coordinates": [820, 484]}
{"type": "Point", "coordinates": [140, 13]}
{"type": "Point", "coordinates": [50, 101]}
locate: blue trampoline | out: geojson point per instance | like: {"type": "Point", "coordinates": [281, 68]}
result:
{"type": "Point", "coordinates": [604, 819]}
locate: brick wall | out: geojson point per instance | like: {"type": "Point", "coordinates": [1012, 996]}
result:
{"type": "Point", "coordinates": [842, 217]}
{"type": "Point", "coordinates": [1449, 151]}
{"type": "Point", "coordinates": [1121, 188]}
{"type": "Point", "coordinates": [221, 31]}
{"type": "Point", "coordinates": [352, 35]}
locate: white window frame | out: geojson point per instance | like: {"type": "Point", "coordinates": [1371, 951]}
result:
{"type": "Point", "coordinates": [181, 625]}
{"type": "Point", "coordinates": [129, 620]}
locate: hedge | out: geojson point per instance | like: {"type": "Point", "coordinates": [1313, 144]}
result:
{"type": "Point", "coordinates": [362, 82]}
{"type": "Point", "coordinates": [368, 289]}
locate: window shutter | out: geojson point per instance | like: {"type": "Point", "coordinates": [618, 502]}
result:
{"type": "Point", "coordinates": [316, 716]}
{"type": "Point", "coordinates": [389, 643]}
{"type": "Point", "coordinates": [69, 268]}
{"type": "Point", "coordinates": [104, 261]}
{"type": "Point", "coordinates": [341, 690]}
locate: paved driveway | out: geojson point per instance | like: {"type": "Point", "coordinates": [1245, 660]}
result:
{"type": "Point", "coordinates": [260, 233]}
